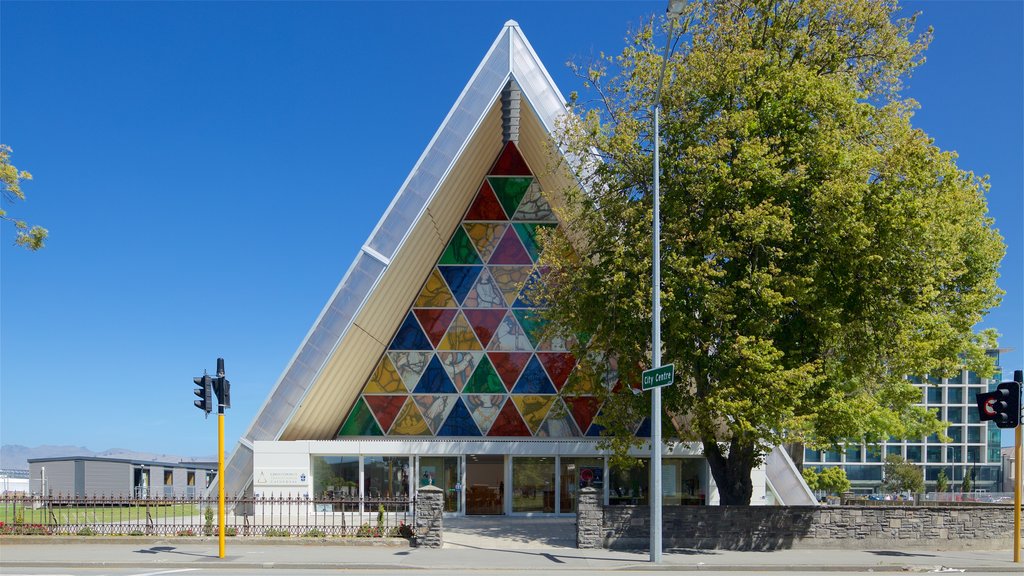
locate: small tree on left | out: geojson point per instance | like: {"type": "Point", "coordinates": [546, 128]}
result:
{"type": "Point", "coordinates": [31, 237]}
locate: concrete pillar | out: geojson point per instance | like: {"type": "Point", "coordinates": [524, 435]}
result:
{"type": "Point", "coordinates": [429, 512]}
{"type": "Point", "coordinates": [589, 519]}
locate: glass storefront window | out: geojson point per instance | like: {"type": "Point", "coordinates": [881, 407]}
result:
{"type": "Point", "coordinates": [577, 473]}
{"type": "Point", "coordinates": [630, 485]}
{"type": "Point", "coordinates": [336, 477]}
{"type": "Point", "coordinates": [442, 472]}
{"type": "Point", "coordinates": [681, 482]}
{"type": "Point", "coordinates": [386, 476]}
{"type": "Point", "coordinates": [533, 484]}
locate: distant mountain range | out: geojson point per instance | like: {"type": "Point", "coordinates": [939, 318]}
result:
{"type": "Point", "coordinates": [15, 457]}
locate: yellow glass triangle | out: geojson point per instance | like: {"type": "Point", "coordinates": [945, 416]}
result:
{"type": "Point", "coordinates": [510, 280]}
{"type": "Point", "coordinates": [435, 293]}
{"type": "Point", "coordinates": [410, 422]}
{"type": "Point", "coordinates": [460, 336]}
{"type": "Point", "coordinates": [385, 379]}
{"type": "Point", "coordinates": [533, 409]}
{"type": "Point", "coordinates": [485, 237]}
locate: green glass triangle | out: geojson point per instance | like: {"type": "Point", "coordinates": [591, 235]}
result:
{"type": "Point", "coordinates": [484, 380]}
{"type": "Point", "coordinates": [532, 324]}
{"type": "Point", "coordinates": [528, 234]}
{"type": "Point", "coordinates": [510, 191]}
{"type": "Point", "coordinates": [460, 250]}
{"type": "Point", "coordinates": [360, 422]}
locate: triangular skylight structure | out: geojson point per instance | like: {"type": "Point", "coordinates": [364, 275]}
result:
{"type": "Point", "coordinates": [442, 200]}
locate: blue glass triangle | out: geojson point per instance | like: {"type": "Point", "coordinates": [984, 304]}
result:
{"type": "Point", "coordinates": [644, 431]}
{"type": "Point", "coordinates": [460, 279]}
{"type": "Point", "coordinates": [534, 380]}
{"type": "Point", "coordinates": [522, 301]}
{"type": "Point", "coordinates": [435, 380]}
{"type": "Point", "coordinates": [410, 336]}
{"type": "Point", "coordinates": [595, 428]}
{"type": "Point", "coordinates": [459, 422]}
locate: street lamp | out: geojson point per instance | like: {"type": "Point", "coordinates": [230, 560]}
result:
{"type": "Point", "coordinates": [675, 9]}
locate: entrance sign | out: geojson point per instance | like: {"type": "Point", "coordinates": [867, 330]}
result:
{"type": "Point", "coordinates": [658, 377]}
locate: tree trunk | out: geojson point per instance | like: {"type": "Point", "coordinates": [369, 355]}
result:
{"type": "Point", "coordinates": [732, 471]}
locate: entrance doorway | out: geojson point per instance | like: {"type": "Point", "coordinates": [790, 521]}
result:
{"type": "Point", "coordinates": [485, 484]}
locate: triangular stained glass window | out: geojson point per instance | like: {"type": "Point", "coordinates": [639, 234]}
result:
{"type": "Point", "coordinates": [410, 422]}
{"type": "Point", "coordinates": [434, 408]}
{"type": "Point", "coordinates": [510, 191]}
{"type": "Point", "coordinates": [510, 337]}
{"type": "Point", "coordinates": [460, 250]}
{"type": "Point", "coordinates": [484, 408]}
{"type": "Point", "coordinates": [510, 280]}
{"type": "Point", "coordinates": [484, 322]}
{"type": "Point", "coordinates": [385, 379]}
{"type": "Point", "coordinates": [435, 293]}
{"type": "Point", "coordinates": [529, 236]}
{"type": "Point", "coordinates": [410, 366]}
{"type": "Point", "coordinates": [385, 408]}
{"type": "Point", "coordinates": [558, 366]}
{"type": "Point", "coordinates": [459, 422]}
{"type": "Point", "coordinates": [510, 162]}
{"type": "Point", "coordinates": [460, 366]}
{"type": "Point", "coordinates": [509, 365]}
{"type": "Point", "coordinates": [360, 422]}
{"type": "Point", "coordinates": [533, 409]}
{"type": "Point", "coordinates": [435, 321]}
{"type": "Point", "coordinates": [532, 324]}
{"type": "Point", "coordinates": [460, 336]}
{"type": "Point", "coordinates": [410, 336]}
{"type": "Point", "coordinates": [485, 294]}
{"type": "Point", "coordinates": [534, 380]}
{"type": "Point", "coordinates": [435, 380]}
{"type": "Point", "coordinates": [460, 279]}
{"type": "Point", "coordinates": [509, 422]}
{"type": "Point", "coordinates": [534, 207]}
{"type": "Point", "coordinates": [559, 423]}
{"type": "Point", "coordinates": [486, 206]}
{"type": "Point", "coordinates": [485, 236]}
{"type": "Point", "coordinates": [583, 410]}
{"type": "Point", "coordinates": [510, 250]}
{"type": "Point", "coordinates": [484, 380]}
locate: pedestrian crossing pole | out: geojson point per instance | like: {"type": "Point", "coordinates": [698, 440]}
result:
{"type": "Point", "coordinates": [223, 399]}
{"type": "Point", "coordinates": [1018, 455]}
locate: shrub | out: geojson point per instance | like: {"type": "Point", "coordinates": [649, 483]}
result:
{"type": "Point", "coordinates": [208, 521]}
{"type": "Point", "coordinates": [136, 533]}
{"type": "Point", "coordinates": [276, 533]}
{"type": "Point", "coordinates": [367, 531]}
{"type": "Point", "coordinates": [315, 533]}
{"type": "Point", "coordinates": [186, 533]}
{"type": "Point", "coordinates": [87, 531]}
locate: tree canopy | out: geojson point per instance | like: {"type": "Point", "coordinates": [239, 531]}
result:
{"type": "Point", "coordinates": [816, 246]}
{"type": "Point", "coordinates": [31, 237]}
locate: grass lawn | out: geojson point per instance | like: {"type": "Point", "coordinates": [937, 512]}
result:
{"type": "Point", "coordinates": [99, 515]}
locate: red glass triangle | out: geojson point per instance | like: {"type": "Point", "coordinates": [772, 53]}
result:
{"type": "Point", "coordinates": [484, 322]}
{"type": "Point", "coordinates": [509, 422]}
{"type": "Point", "coordinates": [583, 409]}
{"type": "Point", "coordinates": [385, 408]}
{"type": "Point", "coordinates": [486, 206]}
{"type": "Point", "coordinates": [558, 366]}
{"type": "Point", "coordinates": [510, 163]}
{"type": "Point", "coordinates": [435, 321]}
{"type": "Point", "coordinates": [509, 365]}
{"type": "Point", "coordinates": [510, 250]}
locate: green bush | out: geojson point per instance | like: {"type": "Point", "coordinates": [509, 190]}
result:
{"type": "Point", "coordinates": [276, 533]}
{"type": "Point", "coordinates": [136, 533]}
{"type": "Point", "coordinates": [87, 531]}
{"type": "Point", "coordinates": [315, 533]}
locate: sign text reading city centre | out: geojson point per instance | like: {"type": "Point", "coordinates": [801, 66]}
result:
{"type": "Point", "coordinates": [658, 377]}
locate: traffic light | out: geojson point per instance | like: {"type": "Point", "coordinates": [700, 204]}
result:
{"type": "Point", "coordinates": [205, 385]}
{"type": "Point", "coordinates": [222, 388]}
{"type": "Point", "coordinates": [1001, 405]}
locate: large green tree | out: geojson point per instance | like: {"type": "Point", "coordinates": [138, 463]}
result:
{"type": "Point", "coordinates": [816, 247]}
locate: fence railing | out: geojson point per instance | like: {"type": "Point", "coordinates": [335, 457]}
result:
{"type": "Point", "coordinates": [181, 516]}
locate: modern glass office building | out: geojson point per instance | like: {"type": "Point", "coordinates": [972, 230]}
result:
{"type": "Point", "coordinates": [973, 447]}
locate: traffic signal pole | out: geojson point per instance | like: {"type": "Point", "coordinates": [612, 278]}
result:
{"type": "Point", "coordinates": [1018, 454]}
{"type": "Point", "coordinates": [220, 476]}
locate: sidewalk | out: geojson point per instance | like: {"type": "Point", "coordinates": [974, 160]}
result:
{"type": "Point", "coordinates": [171, 554]}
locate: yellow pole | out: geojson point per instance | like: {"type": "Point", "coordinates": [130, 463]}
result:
{"type": "Point", "coordinates": [220, 479]}
{"type": "Point", "coordinates": [1017, 480]}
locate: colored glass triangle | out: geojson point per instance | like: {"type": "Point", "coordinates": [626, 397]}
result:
{"type": "Point", "coordinates": [532, 324]}
{"type": "Point", "coordinates": [485, 293]}
{"type": "Point", "coordinates": [484, 408]}
{"type": "Point", "coordinates": [460, 366]}
{"type": "Point", "coordinates": [435, 380]}
{"type": "Point", "coordinates": [410, 422]}
{"type": "Point", "coordinates": [528, 296]}
{"type": "Point", "coordinates": [484, 322]}
{"type": "Point", "coordinates": [510, 250]}
{"type": "Point", "coordinates": [360, 422]}
{"type": "Point", "coordinates": [434, 408]}
{"type": "Point", "coordinates": [460, 279]}
{"type": "Point", "coordinates": [486, 205]}
{"type": "Point", "coordinates": [534, 207]}
{"type": "Point", "coordinates": [510, 280]}
{"type": "Point", "coordinates": [529, 235]}
{"type": "Point", "coordinates": [435, 293]}
{"type": "Point", "coordinates": [510, 337]}
{"type": "Point", "coordinates": [460, 250]}
{"type": "Point", "coordinates": [509, 422]}
{"type": "Point", "coordinates": [559, 423]}
{"type": "Point", "coordinates": [459, 422]}
{"type": "Point", "coordinates": [485, 380]}
{"type": "Point", "coordinates": [410, 336]}
{"type": "Point", "coordinates": [510, 162]}
{"type": "Point", "coordinates": [384, 380]}
{"type": "Point", "coordinates": [558, 366]}
{"type": "Point", "coordinates": [534, 380]}
{"type": "Point", "coordinates": [485, 236]}
{"type": "Point", "coordinates": [583, 409]}
{"type": "Point", "coordinates": [460, 336]}
{"type": "Point", "coordinates": [410, 366]}
{"type": "Point", "coordinates": [509, 365]}
{"type": "Point", "coordinates": [435, 321]}
{"type": "Point", "coordinates": [644, 430]}
{"type": "Point", "coordinates": [385, 408]}
{"type": "Point", "coordinates": [510, 191]}
{"type": "Point", "coordinates": [533, 409]}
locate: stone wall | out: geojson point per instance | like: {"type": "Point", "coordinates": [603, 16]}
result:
{"type": "Point", "coordinates": [783, 527]}
{"type": "Point", "coordinates": [429, 514]}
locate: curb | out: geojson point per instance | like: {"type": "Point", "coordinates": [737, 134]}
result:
{"type": "Point", "coordinates": [184, 540]}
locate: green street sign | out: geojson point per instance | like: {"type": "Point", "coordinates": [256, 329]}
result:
{"type": "Point", "coordinates": [658, 377]}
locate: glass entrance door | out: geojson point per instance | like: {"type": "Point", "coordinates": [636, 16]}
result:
{"type": "Point", "coordinates": [485, 484]}
{"type": "Point", "coordinates": [443, 472]}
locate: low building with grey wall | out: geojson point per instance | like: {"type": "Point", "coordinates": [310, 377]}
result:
{"type": "Point", "coordinates": [119, 477]}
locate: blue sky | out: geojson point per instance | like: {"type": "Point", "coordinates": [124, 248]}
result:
{"type": "Point", "coordinates": [208, 171]}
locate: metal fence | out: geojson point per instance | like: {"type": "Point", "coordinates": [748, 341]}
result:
{"type": "Point", "coordinates": [180, 516]}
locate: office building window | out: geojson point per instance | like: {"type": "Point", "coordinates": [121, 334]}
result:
{"type": "Point", "coordinates": [913, 453]}
{"type": "Point", "coordinates": [973, 378]}
{"type": "Point", "coordinates": [954, 454]}
{"type": "Point", "coordinates": [955, 415]}
{"type": "Point", "coordinates": [894, 450]}
{"type": "Point", "coordinates": [955, 395]}
{"type": "Point", "coordinates": [973, 434]}
{"type": "Point", "coordinates": [812, 455]}
{"type": "Point", "coordinates": [955, 433]}
{"type": "Point", "coordinates": [934, 454]}
{"type": "Point", "coordinates": [956, 378]}
{"type": "Point", "coordinates": [853, 453]}
{"type": "Point", "coordinates": [168, 477]}
{"type": "Point", "coordinates": [934, 395]}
